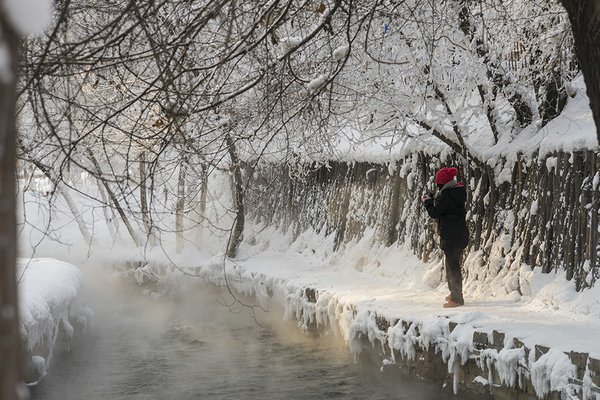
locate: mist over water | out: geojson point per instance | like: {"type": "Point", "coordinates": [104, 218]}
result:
{"type": "Point", "coordinates": [193, 347]}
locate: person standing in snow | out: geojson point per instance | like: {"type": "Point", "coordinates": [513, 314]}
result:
{"type": "Point", "coordinates": [448, 208]}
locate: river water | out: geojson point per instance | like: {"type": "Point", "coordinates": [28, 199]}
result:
{"type": "Point", "coordinates": [193, 347]}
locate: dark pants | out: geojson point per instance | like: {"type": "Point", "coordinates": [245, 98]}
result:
{"type": "Point", "coordinates": [454, 272]}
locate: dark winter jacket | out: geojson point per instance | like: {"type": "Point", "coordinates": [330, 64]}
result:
{"type": "Point", "coordinates": [448, 207]}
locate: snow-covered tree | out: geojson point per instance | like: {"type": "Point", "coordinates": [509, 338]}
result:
{"type": "Point", "coordinates": [154, 81]}
{"type": "Point", "coordinates": [148, 95]}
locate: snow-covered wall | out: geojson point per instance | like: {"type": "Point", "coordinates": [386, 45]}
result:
{"type": "Point", "coordinates": [536, 212]}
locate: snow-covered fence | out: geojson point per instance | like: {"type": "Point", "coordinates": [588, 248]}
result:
{"type": "Point", "coordinates": [538, 212]}
{"type": "Point", "coordinates": [546, 215]}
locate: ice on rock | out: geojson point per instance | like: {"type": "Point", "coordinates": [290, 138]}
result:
{"type": "Point", "coordinates": [552, 372]}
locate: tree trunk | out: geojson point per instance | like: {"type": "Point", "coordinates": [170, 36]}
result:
{"type": "Point", "coordinates": [109, 213]}
{"type": "Point", "coordinates": [179, 208]}
{"type": "Point", "coordinates": [114, 200]}
{"type": "Point", "coordinates": [201, 207]}
{"type": "Point", "coordinates": [585, 22]}
{"type": "Point", "coordinates": [144, 200]}
{"type": "Point", "coordinates": [85, 233]}
{"type": "Point", "coordinates": [237, 231]}
{"type": "Point", "coordinates": [59, 186]}
{"type": "Point", "coordinates": [9, 318]}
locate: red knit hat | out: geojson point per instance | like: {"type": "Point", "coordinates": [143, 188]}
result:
{"type": "Point", "coordinates": [445, 175]}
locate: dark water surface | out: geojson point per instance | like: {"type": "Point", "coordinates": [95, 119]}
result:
{"type": "Point", "coordinates": [193, 347]}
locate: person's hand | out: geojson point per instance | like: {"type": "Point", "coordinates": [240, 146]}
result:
{"type": "Point", "coordinates": [425, 197]}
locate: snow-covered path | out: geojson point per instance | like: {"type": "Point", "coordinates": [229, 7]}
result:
{"type": "Point", "coordinates": [538, 319]}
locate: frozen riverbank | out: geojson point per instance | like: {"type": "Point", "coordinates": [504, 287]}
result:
{"type": "Point", "coordinates": [540, 345]}
{"type": "Point", "coordinates": [51, 311]}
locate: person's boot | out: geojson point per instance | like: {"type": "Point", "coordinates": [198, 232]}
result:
{"type": "Point", "coordinates": [451, 304]}
{"type": "Point", "coordinates": [448, 298]}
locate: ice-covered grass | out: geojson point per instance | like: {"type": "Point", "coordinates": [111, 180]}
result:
{"type": "Point", "coordinates": [51, 309]}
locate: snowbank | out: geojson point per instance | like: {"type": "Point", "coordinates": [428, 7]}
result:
{"type": "Point", "coordinates": [51, 309]}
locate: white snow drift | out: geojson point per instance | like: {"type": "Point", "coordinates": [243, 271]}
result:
{"type": "Point", "coordinates": [51, 308]}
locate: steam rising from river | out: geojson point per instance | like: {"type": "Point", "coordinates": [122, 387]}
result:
{"type": "Point", "coordinates": [186, 344]}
